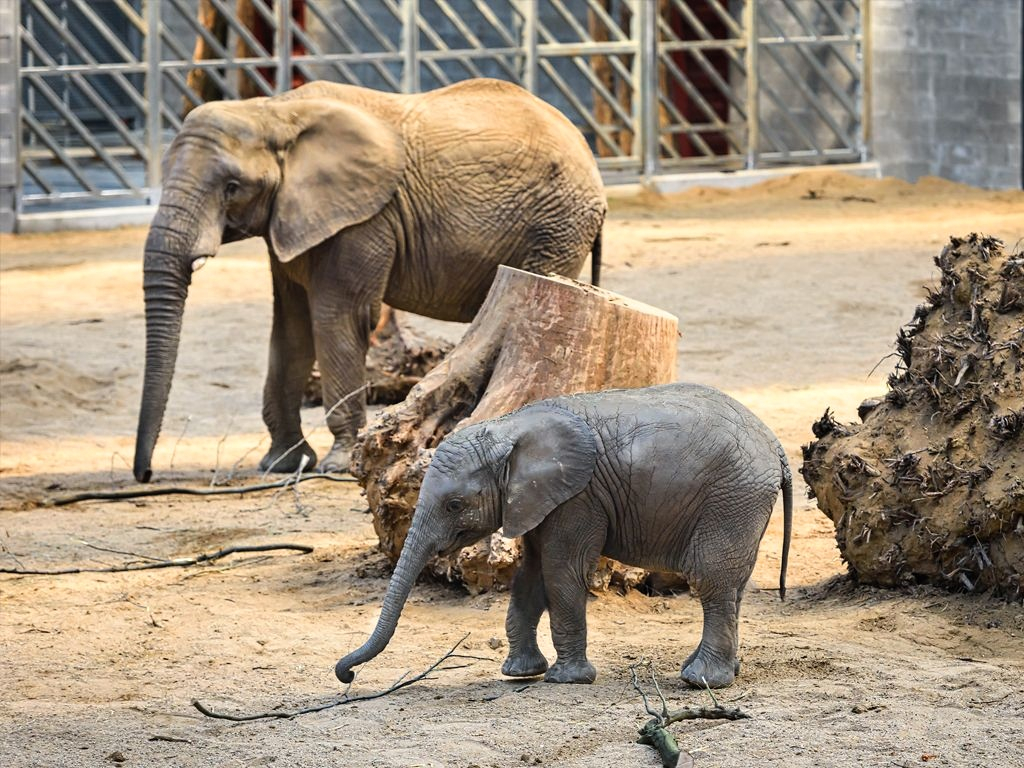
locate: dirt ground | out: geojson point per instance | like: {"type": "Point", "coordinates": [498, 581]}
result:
{"type": "Point", "coordinates": [786, 299]}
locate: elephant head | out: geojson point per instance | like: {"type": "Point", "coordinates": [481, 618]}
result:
{"type": "Point", "coordinates": [292, 170]}
{"type": "Point", "coordinates": [508, 473]}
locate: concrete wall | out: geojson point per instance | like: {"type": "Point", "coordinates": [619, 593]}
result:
{"type": "Point", "coordinates": [946, 95]}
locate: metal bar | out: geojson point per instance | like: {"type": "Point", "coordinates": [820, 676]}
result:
{"type": "Point", "coordinates": [825, 40]}
{"type": "Point", "coordinates": [241, 30]}
{"type": "Point", "coordinates": [836, 18]}
{"type": "Point", "coordinates": [864, 49]}
{"type": "Point", "coordinates": [61, 197]}
{"type": "Point", "coordinates": [723, 15]}
{"type": "Point", "coordinates": [470, 36]}
{"type": "Point", "coordinates": [646, 32]}
{"type": "Point", "coordinates": [39, 130]}
{"type": "Point", "coordinates": [91, 69]}
{"type": "Point", "coordinates": [210, 65]}
{"type": "Point", "coordinates": [104, 31]}
{"type": "Point", "coordinates": [154, 98]}
{"type": "Point", "coordinates": [487, 12]}
{"type": "Point", "coordinates": [811, 99]}
{"type": "Point", "coordinates": [434, 39]}
{"type": "Point", "coordinates": [671, 46]}
{"type": "Point", "coordinates": [528, 10]}
{"type": "Point", "coordinates": [578, 105]}
{"type": "Point", "coordinates": [360, 14]}
{"type": "Point", "coordinates": [753, 84]}
{"type": "Point", "coordinates": [283, 41]}
{"type": "Point", "coordinates": [11, 165]}
{"type": "Point", "coordinates": [318, 57]}
{"type": "Point", "coordinates": [37, 176]}
{"type": "Point", "coordinates": [69, 116]}
{"type": "Point", "coordinates": [91, 94]}
{"type": "Point", "coordinates": [410, 43]}
{"type": "Point", "coordinates": [341, 36]}
{"type": "Point", "coordinates": [821, 72]}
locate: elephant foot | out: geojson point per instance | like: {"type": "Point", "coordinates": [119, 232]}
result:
{"type": "Point", "coordinates": [525, 665]}
{"type": "Point", "coordinates": [571, 672]}
{"type": "Point", "coordinates": [287, 460]}
{"type": "Point", "coordinates": [338, 459]}
{"type": "Point", "coordinates": [705, 671]}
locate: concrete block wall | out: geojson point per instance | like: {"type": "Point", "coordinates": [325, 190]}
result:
{"type": "Point", "coordinates": [946, 90]}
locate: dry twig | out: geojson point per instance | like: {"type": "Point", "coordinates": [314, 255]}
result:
{"type": "Point", "coordinates": [176, 490]}
{"type": "Point", "coordinates": [655, 732]}
{"type": "Point", "coordinates": [154, 563]}
{"type": "Point", "coordinates": [345, 698]}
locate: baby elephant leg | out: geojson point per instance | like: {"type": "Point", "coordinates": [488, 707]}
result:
{"type": "Point", "coordinates": [524, 611]}
{"type": "Point", "coordinates": [713, 664]}
{"type": "Point", "coordinates": [565, 567]}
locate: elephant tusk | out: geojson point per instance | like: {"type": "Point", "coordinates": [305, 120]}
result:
{"type": "Point", "coordinates": [197, 264]}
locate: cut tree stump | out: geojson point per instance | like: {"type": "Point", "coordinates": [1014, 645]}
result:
{"type": "Point", "coordinates": [534, 337]}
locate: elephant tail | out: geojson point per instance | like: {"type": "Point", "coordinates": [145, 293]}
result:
{"type": "Point", "coordinates": [787, 520]}
{"type": "Point", "coordinates": [595, 260]}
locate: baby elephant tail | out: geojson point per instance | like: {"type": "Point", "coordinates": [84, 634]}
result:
{"type": "Point", "coordinates": [787, 520]}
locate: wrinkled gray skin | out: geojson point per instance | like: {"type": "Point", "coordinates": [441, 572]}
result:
{"type": "Point", "coordinates": [677, 478]}
{"type": "Point", "coordinates": [362, 197]}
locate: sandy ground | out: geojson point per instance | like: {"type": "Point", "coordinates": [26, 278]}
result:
{"type": "Point", "coordinates": [785, 302]}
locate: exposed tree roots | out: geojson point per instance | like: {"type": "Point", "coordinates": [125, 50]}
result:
{"type": "Point", "coordinates": [930, 488]}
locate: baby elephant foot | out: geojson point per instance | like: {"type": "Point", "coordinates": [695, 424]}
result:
{"type": "Point", "coordinates": [705, 671]}
{"type": "Point", "coordinates": [287, 459]}
{"type": "Point", "coordinates": [338, 459]}
{"type": "Point", "coordinates": [571, 672]}
{"type": "Point", "coordinates": [525, 665]}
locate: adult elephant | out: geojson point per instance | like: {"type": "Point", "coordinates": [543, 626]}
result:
{"type": "Point", "coordinates": [362, 197]}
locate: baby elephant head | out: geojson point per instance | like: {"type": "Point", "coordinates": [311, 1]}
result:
{"type": "Point", "coordinates": [507, 473]}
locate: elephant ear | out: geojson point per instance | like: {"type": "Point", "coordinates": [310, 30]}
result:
{"type": "Point", "coordinates": [553, 457]}
{"type": "Point", "coordinates": [342, 167]}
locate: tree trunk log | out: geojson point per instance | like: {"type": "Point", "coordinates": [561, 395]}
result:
{"type": "Point", "coordinates": [534, 337]}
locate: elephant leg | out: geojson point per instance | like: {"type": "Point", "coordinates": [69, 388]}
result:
{"type": "Point", "coordinates": [565, 564]}
{"type": "Point", "coordinates": [342, 338]}
{"type": "Point", "coordinates": [714, 663]}
{"type": "Point", "coordinates": [347, 283]}
{"type": "Point", "coordinates": [291, 359]}
{"type": "Point", "coordinates": [524, 611]}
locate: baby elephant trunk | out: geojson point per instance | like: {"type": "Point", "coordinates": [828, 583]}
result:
{"type": "Point", "coordinates": [414, 556]}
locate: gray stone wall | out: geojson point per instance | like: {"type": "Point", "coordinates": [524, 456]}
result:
{"type": "Point", "coordinates": [946, 90]}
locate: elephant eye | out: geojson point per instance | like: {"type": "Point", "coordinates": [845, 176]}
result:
{"type": "Point", "coordinates": [455, 506]}
{"type": "Point", "coordinates": [231, 188]}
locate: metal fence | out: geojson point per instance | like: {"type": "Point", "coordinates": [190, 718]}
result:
{"type": "Point", "coordinates": [92, 90]}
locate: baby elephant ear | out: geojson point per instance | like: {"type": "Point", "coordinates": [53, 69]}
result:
{"type": "Point", "coordinates": [553, 457]}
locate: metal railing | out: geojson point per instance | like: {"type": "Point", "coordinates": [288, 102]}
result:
{"type": "Point", "coordinates": [92, 90]}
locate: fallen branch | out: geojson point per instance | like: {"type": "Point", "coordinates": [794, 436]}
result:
{"type": "Point", "coordinates": [345, 698]}
{"type": "Point", "coordinates": [174, 490]}
{"type": "Point", "coordinates": [178, 562]}
{"type": "Point", "coordinates": [655, 732]}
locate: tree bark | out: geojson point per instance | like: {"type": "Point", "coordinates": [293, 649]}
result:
{"type": "Point", "coordinates": [535, 337]}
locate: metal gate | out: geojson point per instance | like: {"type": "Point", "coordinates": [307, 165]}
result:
{"type": "Point", "coordinates": [92, 90]}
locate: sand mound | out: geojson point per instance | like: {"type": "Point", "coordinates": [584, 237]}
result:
{"type": "Point", "coordinates": [930, 488]}
{"type": "Point", "coordinates": [30, 385]}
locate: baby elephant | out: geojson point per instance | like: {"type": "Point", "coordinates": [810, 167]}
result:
{"type": "Point", "coordinates": [678, 478]}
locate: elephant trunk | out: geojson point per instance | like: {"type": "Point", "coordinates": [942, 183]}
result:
{"type": "Point", "coordinates": [415, 553]}
{"type": "Point", "coordinates": [167, 274]}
